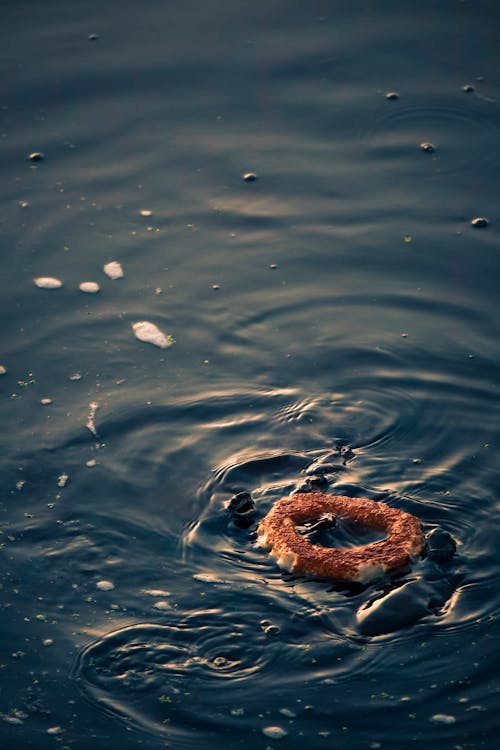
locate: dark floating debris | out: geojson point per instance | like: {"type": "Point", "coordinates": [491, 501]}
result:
{"type": "Point", "coordinates": [249, 177]}
{"type": "Point", "coordinates": [468, 89]}
{"type": "Point", "coordinates": [480, 222]}
{"type": "Point", "coordinates": [391, 95]}
{"type": "Point", "coordinates": [242, 509]}
{"type": "Point", "coordinates": [36, 156]}
{"type": "Point", "coordinates": [429, 148]}
{"type": "Point", "coordinates": [440, 546]}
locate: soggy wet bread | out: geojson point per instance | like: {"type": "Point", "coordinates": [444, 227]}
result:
{"type": "Point", "coordinates": [278, 532]}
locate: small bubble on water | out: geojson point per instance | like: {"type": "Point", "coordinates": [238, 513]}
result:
{"type": "Point", "coordinates": [145, 212]}
{"type": "Point", "coordinates": [75, 376]}
{"type": "Point", "coordinates": [249, 177]}
{"type": "Point", "coordinates": [272, 631]}
{"type": "Point", "coordinates": [429, 148]}
{"type": "Point", "coordinates": [468, 88]}
{"type": "Point", "coordinates": [237, 712]}
{"type": "Point", "coordinates": [46, 401]}
{"type": "Point", "coordinates": [93, 37]}
{"type": "Point", "coordinates": [36, 156]}
{"type": "Point", "coordinates": [392, 95]}
{"type": "Point", "coordinates": [219, 661]}
{"type": "Point", "coordinates": [479, 222]}
{"type": "Point", "coordinates": [274, 732]}
{"type": "Point", "coordinates": [105, 585]}
{"type": "Point", "coordinates": [47, 642]}
{"type": "Point", "coordinates": [3, 370]}
{"type": "Point", "coordinates": [288, 713]}
{"type": "Point", "coordinates": [23, 204]}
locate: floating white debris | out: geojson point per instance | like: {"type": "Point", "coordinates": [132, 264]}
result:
{"type": "Point", "coordinates": [105, 585]}
{"type": "Point", "coordinates": [47, 642]}
{"type": "Point", "coordinates": [288, 713]}
{"type": "Point", "coordinates": [162, 604]}
{"type": "Point", "coordinates": [3, 370]}
{"type": "Point", "coordinates": [208, 578]}
{"type": "Point", "coordinates": [146, 212]}
{"type": "Point", "coordinates": [275, 733]}
{"type": "Point", "coordinates": [155, 592]}
{"type": "Point", "coordinates": [76, 376]}
{"type": "Point", "coordinates": [151, 334]}
{"type": "Point", "coordinates": [47, 282]}
{"type": "Point", "coordinates": [54, 730]}
{"type": "Point", "coordinates": [93, 407]}
{"type": "Point", "coordinates": [45, 401]}
{"type": "Point", "coordinates": [114, 270]}
{"type": "Point", "coordinates": [91, 462]}
{"type": "Point", "coordinates": [62, 480]}
{"type": "Point", "coordinates": [89, 287]}
{"type": "Point", "coordinates": [443, 719]}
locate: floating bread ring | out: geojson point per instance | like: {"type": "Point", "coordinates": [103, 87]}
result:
{"type": "Point", "coordinates": [278, 532]}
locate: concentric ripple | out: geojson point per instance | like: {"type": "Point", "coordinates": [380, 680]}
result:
{"type": "Point", "coordinates": [461, 137]}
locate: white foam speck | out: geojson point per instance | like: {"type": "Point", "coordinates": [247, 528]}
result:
{"type": "Point", "coordinates": [45, 401]}
{"type": "Point", "coordinates": [105, 585]}
{"type": "Point", "coordinates": [151, 334]}
{"type": "Point", "coordinates": [208, 578]}
{"type": "Point", "coordinates": [146, 212]}
{"type": "Point", "coordinates": [47, 282]}
{"type": "Point", "coordinates": [114, 270]}
{"type": "Point", "coordinates": [275, 733]}
{"type": "Point", "coordinates": [62, 480]}
{"type": "Point", "coordinates": [155, 592]}
{"type": "Point", "coordinates": [162, 604]}
{"type": "Point", "coordinates": [93, 407]}
{"type": "Point", "coordinates": [91, 462]}
{"type": "Point", "coordinates": [3, 370]}
{"type": "Point", "coordinates": [443, 719]}
{"type": "Point", "coordinates": [89, 287]}
{"type": "Point", "coordinates": [54, 730]}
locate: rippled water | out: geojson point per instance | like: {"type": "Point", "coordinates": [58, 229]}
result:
{"type": "Point", "coordinates": [339, 311]}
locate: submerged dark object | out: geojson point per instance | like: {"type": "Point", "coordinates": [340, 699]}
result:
{"type": "Point", "coordinates": [242, 509]}
{"type": "Point", "coordinates": [439, 546]}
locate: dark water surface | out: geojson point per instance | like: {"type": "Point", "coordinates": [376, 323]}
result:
{"type": "Point", "coordinates": [340, 309]}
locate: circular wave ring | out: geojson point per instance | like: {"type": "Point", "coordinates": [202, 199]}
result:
{"type": "Point", "coordinates": [461, 138]}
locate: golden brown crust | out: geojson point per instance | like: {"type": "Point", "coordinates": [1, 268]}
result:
{"type": "Point", "coordinates": [358, 564]}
